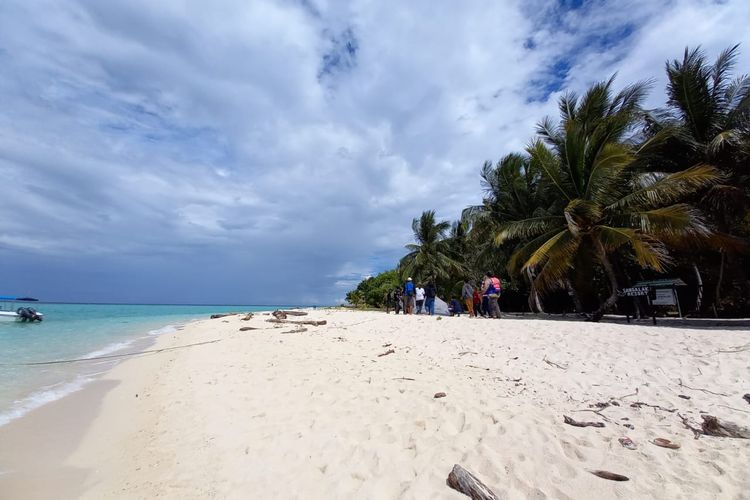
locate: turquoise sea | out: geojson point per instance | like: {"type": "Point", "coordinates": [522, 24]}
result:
{"type": "Point", "coordinates": [71, 331]}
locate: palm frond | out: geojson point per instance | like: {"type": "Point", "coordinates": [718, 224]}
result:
{"type": "Point", "coordinates": [657, 191]}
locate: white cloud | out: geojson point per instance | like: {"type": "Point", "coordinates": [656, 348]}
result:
{"type": "Point", "coordinates": [258, 150]}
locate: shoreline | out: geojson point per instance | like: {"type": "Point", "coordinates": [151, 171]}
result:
{"type": "Point", "coordinates": [25, 387]}
{"type": "Point", "coordinates": [320, 413]}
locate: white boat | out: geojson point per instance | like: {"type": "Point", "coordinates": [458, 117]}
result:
{"type": "Point", "coordinates": [10, 310]}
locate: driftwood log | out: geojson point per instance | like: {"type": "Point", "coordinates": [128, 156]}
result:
{"type": "Point", "coordinates": [303, 322]}
{"type": "Point", "coordinates": [222, 315]}
{"type": "Point", "coordinates": [386, 353]}
{"type": "Point", "coordinates": [248, 317]}
{"type": "Point", "coordinates": [295, 313]}
{"type": "Point", "coordinates": [467, 483]}
{"type": "Point", "coordinates": [439, 395]}
{"type": "Point", "coordinates": [576, 423]}
{"type": "Point", "coordinates": [247, 328]}
{"type": "Point", "coordinates": [279, 314]}
{"type": "Point", "coordinates": [712, 427]}
{"type": "Point", "coordinates": [746, 397]}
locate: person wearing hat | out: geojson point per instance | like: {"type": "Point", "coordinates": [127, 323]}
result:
{"type": "Point", "coordinates": [409, 296]}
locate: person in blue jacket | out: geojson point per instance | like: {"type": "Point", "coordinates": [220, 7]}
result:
{"type": "Point", "coordinates": [409, 296]}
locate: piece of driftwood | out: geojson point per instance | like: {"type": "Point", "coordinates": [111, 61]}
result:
{"type": "Point", "coordinates": [279, 314]}
{"type": "Point", "coordinates": [386, 353]}
{"type": "Point", "coordinates": [666, 443]}
{"type": "Point", "coordinates": [222, 315]}
{"type": "Point", "coordinates": [683, 396]}
{"type": "Point", "coordinates": [576, 423]}
{"type": "Point", "coordinates": [303, 322]}
{"type": "Point", "coordinates": [612, 476]}
{"type": "Point", "coordinates": [248, 317]}
{"type": "Point", "coordinates": [298, 330]}
{"type": "Point", "coordinates": [467, 483]}
{"type": "Point", "coordinates": [712, 427]}
{"type": "Point", "coordinates": [746, 397]}
{"type": "Point", "coordinates": [702, 390]}
{"type": "Point", "coordinates": [439, 395]}
{"type": "Point", "coordinates": [247, 328]}
{"type": "Point", "coordinates": [295, 313]}
{"type": "Point", "coordinates": [552, 363]}
{"type": "Point", "coordinates": [697, 433]}
{"type": "Point", "coordinates": [404, 378]}
{"type": "Point", "coordinates": [639, 404]}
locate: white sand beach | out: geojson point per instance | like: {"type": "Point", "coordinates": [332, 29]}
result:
{"type": "Point", "coordinates": [319, 414]}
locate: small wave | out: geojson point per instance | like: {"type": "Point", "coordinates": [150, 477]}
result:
{"type": "Point", "coordinates": [163, 330]}
{"type": "Point", "coordinates": [42, 397]}
{"type": "Point", "coordinates": [109, 349]}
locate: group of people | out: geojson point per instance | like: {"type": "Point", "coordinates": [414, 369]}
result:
{"type": "Point", "coordinates": [479, 301]}
{"type": "Point", "coordinates": [412, 299]}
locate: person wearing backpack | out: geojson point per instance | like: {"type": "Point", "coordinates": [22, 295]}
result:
{"type": "Point", "coordinates": [491, 288]}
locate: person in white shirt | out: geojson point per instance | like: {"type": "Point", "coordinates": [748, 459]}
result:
{"type": "Point", "coordinates": [419, 292]}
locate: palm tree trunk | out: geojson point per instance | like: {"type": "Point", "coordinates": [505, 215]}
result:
{"type": "Point", "coordinates": [574, 295]}
{"type": "Point", "coordinates": [535, 303]}
{"type": "Point", "coordinates": [610, 272]}
{"type": "Point", "coordinates": [699, 295]}
{"type": "Point", "coordinates": [717, 293]}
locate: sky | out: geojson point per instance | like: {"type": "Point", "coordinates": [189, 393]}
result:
{"type": "Point", "coordinates": [276, 152]}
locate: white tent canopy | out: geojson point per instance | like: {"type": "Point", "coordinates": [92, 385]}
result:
{"type": "Point", "coordinates": [441, 307]}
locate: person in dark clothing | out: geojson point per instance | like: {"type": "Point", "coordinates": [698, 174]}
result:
{"type": "Point", "coordinates": [455, 308]}
{"type": "Point", "coordinates": [430, 292]}
{"type": "Point", "coordinates": [409, 293]}
{"type": "Point", "coordinates": [397, 300]}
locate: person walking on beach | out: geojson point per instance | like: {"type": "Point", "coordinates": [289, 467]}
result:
{"type": "Point", "coordinates": [387, 302]}
{"type": "Point", "coordinates": [467, 294]}
{"type": "Point", "coordinates": [419, 294]}
{"type": "Point", "coordinates": [491, 290]}
{"type": "Point", "coordinates": [397, 300]}
{"type": "Point", "coordinates": [430, 292]}
{"type": "Point", "coordinates": [409, 297]}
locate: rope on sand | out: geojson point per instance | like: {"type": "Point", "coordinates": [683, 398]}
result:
{"type": "Point", "coordinates": [111, 356]}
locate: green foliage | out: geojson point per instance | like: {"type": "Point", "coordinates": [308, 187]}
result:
{"type": "Point", "coordinates": [608, 194]}
{"type": "Point", "coordinates": [371, 292]}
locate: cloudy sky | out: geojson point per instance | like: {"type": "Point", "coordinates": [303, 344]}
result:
{"type": "Point", "coordinates": [276, 151]}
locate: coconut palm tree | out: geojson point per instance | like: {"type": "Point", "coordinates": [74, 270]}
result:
{"type": "Point", "coordinates": [511, 193]}
{"type": "Point", "coordinates": [603, 205]}
{"type": "Point", "coordinates": [430, 257]}
{"type": "Point", "coordinates": [708, 122]}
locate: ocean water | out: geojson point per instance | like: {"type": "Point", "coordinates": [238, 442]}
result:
{"type": "Point", "coordinates": [72, 331]}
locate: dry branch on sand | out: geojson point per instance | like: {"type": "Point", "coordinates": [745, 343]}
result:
{"type": "Point", "coordinates": [293, 322]}
{"type": "Point", "coordinates": [576, 423]}
{"type": "Point", "coordinates": [552, 363]}
{"type": "Point", "coordinates": [247, 328]}
{"type": "Point", "coordinates": [386, 353]}
{"type": "Point", "coordinates": [298, 330]}
{"type": "Point", "coordinates": [465, 482]}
